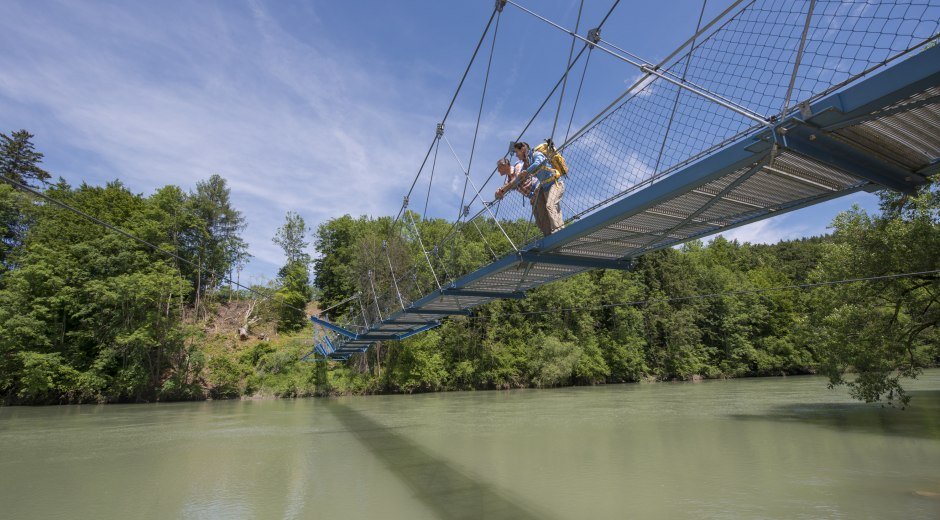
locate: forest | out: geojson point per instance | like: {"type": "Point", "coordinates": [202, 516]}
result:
{"type": "Point", "coordinates": [91, 315]}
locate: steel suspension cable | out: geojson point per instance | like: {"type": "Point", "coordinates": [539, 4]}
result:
{"type": "Point", "coordinates": [577, 96]}
{"type": "Point", "coordinates": [587, 47]}
{"type": "Point", "coordinates": [646, 76]}
{"type": "Point", "coordinates": [478, 194]}
{"type": "Point", "coordinates": [335, 305]}
{"type": "Point", "coordinates": [561, 97]}
{"type": "Point", "coordinates": [476, 130]}
{"type": "Point", "coordinates": [799, 58]}
{"type": "Point", "coordinates": [453, 99]}
{"type": "Point", "coordinates": [455, 225]}
{"type": "Point", "coordinates": [648, 68]}
{"type": "Point", "coordinates": [427, 199]}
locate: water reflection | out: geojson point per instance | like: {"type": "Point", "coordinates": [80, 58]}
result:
{"type": "Point", "coordinates": [921, 419]}
{"type": "Point", "coordinates": [451, 492]}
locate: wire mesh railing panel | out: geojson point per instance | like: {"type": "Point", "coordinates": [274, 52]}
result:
{"type": "Point", "coordinates": [619, 152]}
{"type": "Point", "coordinates": [848, 38]}
{"type": "Point", "coordinates": [751, 58]}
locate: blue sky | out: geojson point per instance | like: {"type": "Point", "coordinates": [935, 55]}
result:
{"type": "Point", "coordinates": [318, 107]}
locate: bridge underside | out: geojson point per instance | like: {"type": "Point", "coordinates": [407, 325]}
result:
{"type": "Point", "coordinates": [882, 132]}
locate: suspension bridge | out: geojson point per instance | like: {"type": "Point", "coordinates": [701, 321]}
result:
{"type": "Point", "coordinates": [772, 106]}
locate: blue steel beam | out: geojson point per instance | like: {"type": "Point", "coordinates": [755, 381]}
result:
{"type": "Point", "coordinates": [437, 312]}
{"type": "Point", "coordinates": [396, 321]}
{"type": "Point", "coordinates": [574, 261]}
{"type": "Point", "coordinates": [378, 337]}
{"type": "Point", "coordinates": [897, 109]}
{"type": "Point", "coordinates": [335, 328]}
{"type": "Point", "coordinates": [898, 82]}
{"type": "Point", "coordinates": [454, 291]}
{"type": "Point", "coordinates": [816, 145]}
{"type": "Point", "coordinates": [419, 330]}
{"type": "Point", "coordinates": [769, 212]}
{"type": "Point", "coordinates": [502, 264]}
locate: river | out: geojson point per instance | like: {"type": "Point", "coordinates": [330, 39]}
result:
{"type": "Point", "coordinates": [750, 448]}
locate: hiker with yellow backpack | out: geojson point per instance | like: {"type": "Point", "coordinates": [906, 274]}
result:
{"type": "Point", "coordinates": [543, 169]}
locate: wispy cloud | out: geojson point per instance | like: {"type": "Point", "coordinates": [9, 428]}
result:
{"type": "Point", "coordinates": [291, 125]}
{"type": "Point", "coordinates": [646, 85]}
{"type": "Point", "coordinates": [292, 119]}
{"type": "Point", "coordinates": [769, 231]}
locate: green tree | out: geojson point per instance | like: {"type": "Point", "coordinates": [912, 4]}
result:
{"type": "Point", "coordinates": [294, 276]}
{"type": "Point", "coordinates": [92, 315]}
{"type": "Point", "coordinates": [880, 331]}
{"type": "Point", "coordinates": [19, 161]}
{"type": "Point", "coordinates": [212, 239]}
{"type": "Point", "coordinates": [292, 237]}
{"type": "Point", "coordinates": [16, 213]}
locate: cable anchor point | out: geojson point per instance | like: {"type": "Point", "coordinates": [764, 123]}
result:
{"type": "Point", "coordinates": [500, 4]}
{"type": "Point", "coordinates": [594, 36]}
{"type": "Point", "coordinates": [466, 210]}
{"type": "Point", "coordinates": [440, 130]}
{"type": "Point", "coordinates": [404, 202]}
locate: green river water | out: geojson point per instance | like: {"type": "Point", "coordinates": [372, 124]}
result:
{"type": "Point", "coordinates": [750, 448]}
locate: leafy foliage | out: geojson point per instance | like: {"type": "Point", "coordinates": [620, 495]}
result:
{"type": "Point", "coordinates": [886, 330]}
{"type": "Point", "coordinates": [90, 315]}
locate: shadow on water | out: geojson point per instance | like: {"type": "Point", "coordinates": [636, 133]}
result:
{"type": "Point", "coordinates": [921, 419]}
{"type": "Point", "coordinates": [447, 490]}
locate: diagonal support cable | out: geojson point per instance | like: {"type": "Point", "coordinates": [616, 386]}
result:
{"type": "Point", "coordinates": [714, 200]}
{"type": "Point", "coordinates": [392, 272]}
{"type": "Point", "coordinates": [497, 9]}
{"type": "Point", "coordinates": [375, 296]}
{"type": "Point", "coordinates": [577, 96]}
{"type": "Point", "coordinates": [643, 79]}
{"type": "Point", "coordinates": [479, 195]}
{"type": "Point", "coordinates": [424, 250]}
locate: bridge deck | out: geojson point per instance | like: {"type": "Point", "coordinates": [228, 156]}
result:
{"type": "Point", "coordinates": [881, 132]}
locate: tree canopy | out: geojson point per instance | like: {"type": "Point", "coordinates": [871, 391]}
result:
{"type": "Point", "coordinates": [87, 314]}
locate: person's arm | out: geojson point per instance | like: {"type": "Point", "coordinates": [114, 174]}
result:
{"type": "Point", "coordinates": [538, 158]}
{"type": "Point", "coordinates": [504, 169]}
{"type": "Point", "coordinates": [515, 175]}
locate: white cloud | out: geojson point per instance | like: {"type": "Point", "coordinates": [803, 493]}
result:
{"type": "Point", "coordinates": [768, 231]}
{"type": "Point", "coordinates": [290, 125]}
{"type": "Point", "coordinates": [646, 85]}
{"type": "Point", "coordinates": [293, 120]}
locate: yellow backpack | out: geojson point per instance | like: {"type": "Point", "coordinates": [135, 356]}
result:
{"type": "Point", "coordinates": [558, 161]}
